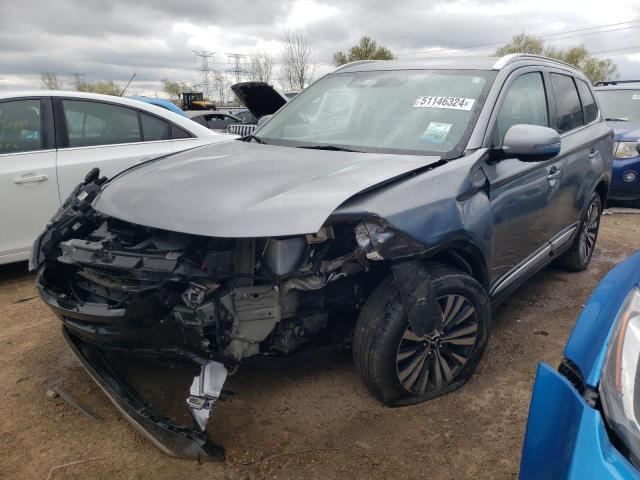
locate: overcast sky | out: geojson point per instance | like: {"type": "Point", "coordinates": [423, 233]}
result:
{"type": "Point", "coordinates": [110, 40]}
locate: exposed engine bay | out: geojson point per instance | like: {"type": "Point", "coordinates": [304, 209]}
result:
{"type": "Point", "coordinates": [215, 301]}
{"type": "Point", "coordinates": [225, 298]}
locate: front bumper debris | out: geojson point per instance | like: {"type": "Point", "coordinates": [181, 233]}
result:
{"type": "Point", "coordinates": [173, 439]}
{"type": "Point", "coordinates": [205, 390]}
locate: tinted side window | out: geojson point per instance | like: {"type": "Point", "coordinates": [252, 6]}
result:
{"type": "Point", "coordinates": [525, 102]}
{"type": "Point", "coordinates": [153, 128]}
{"type": "Point", "coordinates": [589, 107]}
{"type": "Point", "coordinates": [215, 122]}
{"type": "Point", "coordinates": [94, 123]}
{"type": "Point", "coordinates": [568, 107]}
{"type": "Point", "coordinates": [201, 119]}
{"type": "Point", "coordinates": [20, 126]}
{"type": "Point", "coordinates": [178, 133]}
{"type": "Point", "coordinates": [220, 121]}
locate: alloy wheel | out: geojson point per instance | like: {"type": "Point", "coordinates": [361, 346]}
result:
{"type": "Point", "coordinates": [589, 231]}
{"type": "Point", "coordinates": [427, 363]}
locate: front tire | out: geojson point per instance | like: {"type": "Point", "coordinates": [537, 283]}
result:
{"type": "Point", "coordinates": [577, 258]}
{"type": "Point", "coordinates": [400, 368]}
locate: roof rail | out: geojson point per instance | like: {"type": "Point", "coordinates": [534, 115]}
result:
{"type": "Point", "coordinates": [614, 82]}
{"type": "Point", "coordinates": [350, 64]}
{"type": "Point", "coordinates": [513, 57]}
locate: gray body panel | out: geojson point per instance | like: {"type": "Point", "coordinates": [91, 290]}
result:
{"type": "Point", "coordinates": [241, 189]}
{"type": "Point", "coordinates": [501, 214]}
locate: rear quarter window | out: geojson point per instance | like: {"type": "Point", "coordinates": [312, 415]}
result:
{"type": "Point", "coordinates": [153, 128]}
{"type": "Point", "coordinates": [589, 107]}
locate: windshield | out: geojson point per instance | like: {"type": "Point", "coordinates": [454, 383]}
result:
{"type": "Point", "coordinates": [403, 111]}
{"type": "Point", "coordinates": [620, 104]}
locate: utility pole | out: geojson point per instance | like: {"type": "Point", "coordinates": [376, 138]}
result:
{"type": "Point", "coordinates": [205, 70]}
{"type": "Point", "coordinates": [238, 70]}
{"type": "Point", "coordinates": [78, 77]}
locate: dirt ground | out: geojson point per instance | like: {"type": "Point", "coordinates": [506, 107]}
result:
{"type": "Point", "coordinates": [311, 419]}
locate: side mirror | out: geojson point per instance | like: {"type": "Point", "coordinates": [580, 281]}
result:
{"type": "Point", "coordinates": [530, 142]}
{"type": "Point", "coordinates": [263, 119]}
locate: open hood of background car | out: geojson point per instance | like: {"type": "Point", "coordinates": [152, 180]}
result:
{"type": "Point", "coordinates": [240, 189]}
{"type": "Point", "coordinates": [259, 97]}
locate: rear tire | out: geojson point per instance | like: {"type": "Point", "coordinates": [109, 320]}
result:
{"type": "Point", "coordinates": [577, 258]}
{"type": "Point", "coordinates": [400, 368]}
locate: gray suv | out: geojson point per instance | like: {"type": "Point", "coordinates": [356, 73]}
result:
{"type": "Point", "coordinates": [388, 208]}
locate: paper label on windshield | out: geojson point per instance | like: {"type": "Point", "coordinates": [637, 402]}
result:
{"type": "Point", "coordinates": [453, 103]}
{"type": "Point", "coordinates": [436, 132]}
{"type": "Point", "coordinates": [635, 96]}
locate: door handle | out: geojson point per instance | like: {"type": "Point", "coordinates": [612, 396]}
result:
{"type": "Point", "coordinates": [31, 179]}
{"type": "Point", "coordinates": [554, 174]}
{"type": "Point", "coordinates": [593, 154]}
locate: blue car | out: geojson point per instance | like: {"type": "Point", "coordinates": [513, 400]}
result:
{"type": "Point", "coordinates": [620, 104]}
{"type": "Point", "coordinates": [584, 419]}
{"type": "Point", "coordinates": [161, 102]}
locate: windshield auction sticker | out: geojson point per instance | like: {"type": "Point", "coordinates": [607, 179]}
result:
{"type": "Point", "coordinates": [436, 132]}
{"type": "Point", "coordinates": [453, 103]}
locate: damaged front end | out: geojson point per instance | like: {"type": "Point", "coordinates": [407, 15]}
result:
{"type": "Point", "coordinates": [215, 302]}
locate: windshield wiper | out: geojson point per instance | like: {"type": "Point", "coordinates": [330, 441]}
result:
{"type": "Point", "coordinates": [615, 119]}
{"type": "Point", "coordinates": [250, 137]}
{"type": "Point", "coordinates": [335, 148]}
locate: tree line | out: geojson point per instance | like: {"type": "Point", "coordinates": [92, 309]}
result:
{"type": "Point", "coordinates": [297, 65]}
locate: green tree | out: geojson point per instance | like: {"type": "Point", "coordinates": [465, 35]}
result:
{"type": "Point", "coordinates": [596, 69]}
{"type": "Point", "coordinates": [106, 88]}
{"type": "Point", "coordinates": [366, 49]}
{"type": "Point", "coordinates": [522, 43]}
{"type": "Point", "coordinates": [175, 89]}
{"type": "Point", "coordinates": [50, 81]}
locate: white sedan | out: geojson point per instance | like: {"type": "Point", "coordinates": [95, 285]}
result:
{"type": "Point", "coordinates": [49, 140]}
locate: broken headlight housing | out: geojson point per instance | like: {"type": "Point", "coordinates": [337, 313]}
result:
{"type": "Point", "coordinates": [620, 398]}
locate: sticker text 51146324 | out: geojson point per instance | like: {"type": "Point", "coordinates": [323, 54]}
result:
{"type": "Point", "coordinates": [454, 103]}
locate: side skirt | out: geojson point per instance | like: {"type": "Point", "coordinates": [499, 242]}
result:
{"type": "Point", "coordinates": [531, 265]}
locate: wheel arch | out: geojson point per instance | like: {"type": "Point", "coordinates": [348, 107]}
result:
{"type": "Point", "coordinates": [462, 255]}
{"type": "Point", "coordinates": [602, 189]}
{"type": "Point", "coordinates": [467, 257]}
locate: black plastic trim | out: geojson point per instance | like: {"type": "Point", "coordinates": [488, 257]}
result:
{"type": "Point", "coordinates": [175, 440]}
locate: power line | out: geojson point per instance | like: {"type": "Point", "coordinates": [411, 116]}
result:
{"type": "Point", "coordinates": [548, 35]}
{"type": "Point", "coordinates": [616, 51]}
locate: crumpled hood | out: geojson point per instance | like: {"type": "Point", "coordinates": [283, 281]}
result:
{"type": "Point", "coordinates": [239, 189]}
{"type": "Point", "coordinates": [626, 131]}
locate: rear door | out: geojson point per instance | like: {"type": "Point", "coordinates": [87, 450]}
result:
{"type": "Point", "coordinates": [584, 138]}
{"type": "Point", "coordinates": [521, 193]}
{"type": "Point", "coordinates": [28, 184]}
{"type": "Point", "coordinates": [106, 135]}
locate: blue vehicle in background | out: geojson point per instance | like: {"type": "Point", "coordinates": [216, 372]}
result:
{"type": "Point", "coordinates": [584, 419]}
{"type": "Point", "coordinates": [160, 102]}
{"type": "Point", "coordinates": [620, 104]}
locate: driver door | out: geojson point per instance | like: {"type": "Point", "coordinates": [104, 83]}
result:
{"type": "Point", "coordinates": [521, 193]}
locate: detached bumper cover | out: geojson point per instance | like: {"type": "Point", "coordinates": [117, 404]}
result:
{"type": "Point", "coordinates": [566, 438]}
{"type": "Point", "coordinates": [173, 439]}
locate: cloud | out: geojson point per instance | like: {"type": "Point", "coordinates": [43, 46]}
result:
{"type": "Point", "coordinates": [156, 39]}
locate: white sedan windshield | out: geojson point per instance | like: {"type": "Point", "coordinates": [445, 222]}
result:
{"type": "Point", "coordinates": [411, 111]}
